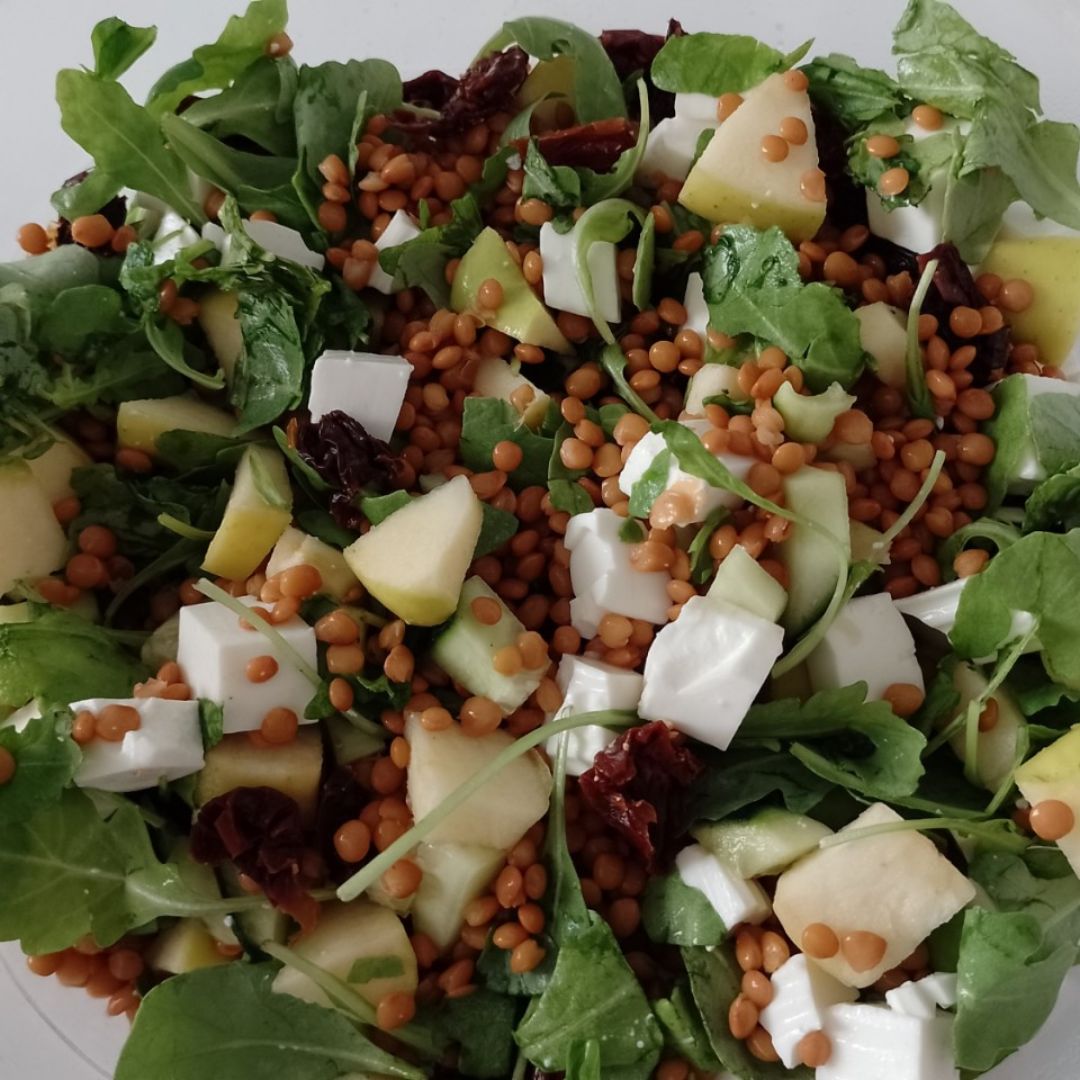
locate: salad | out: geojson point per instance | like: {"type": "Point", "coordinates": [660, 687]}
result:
{"type": "Point", "coordinates": [569, 569]}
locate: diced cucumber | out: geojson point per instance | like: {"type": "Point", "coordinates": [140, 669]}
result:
{"type": "Point", "coordinates": [766, 843]}
{"type": "Point", "coordinates": [454, 875]}
{"type": "Point", "coordinates": [201, 879]}
{"type": "Point", "coordinates": [810, 417]}
{"type": "Point", "coordinates": [995, 755]}
{"type": "Point", "coordinates": [466, 648]}
{"type": "Point", "coordinates": [741, 581]}
{"type": "Point", "coordinates": [812, 560]}
{"type": "Point", "coordinates": [350, 743]}
{"type": "Point", "coordinates": [712, 380]}
{"type": "Point", "coordinates": [259, 925]}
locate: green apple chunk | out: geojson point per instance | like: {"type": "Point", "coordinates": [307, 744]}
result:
{"type": "Point", "coordinates": [733, 182]}
{"type": "Point", "coordinates": [454, 876]}
{"type": "Point", "coordinates": [217, 317]}
{"type": "Point", "coordinates": [810, 417]}
{"type": "Point", "coordinates": [53, 469]}
{"type": "Point", "coordinates": [521, 314]}
{"type": "Point", "coordinates": [32, 544]}
{"type": "Point", "coordinates": [1054, 774]}
{"type": "Point", "coordinates": [294, 770]}
{"type": "Point", "coordinates": [185, 946]}
{"type": "Point", "coordinates": [883, 334]}
{"type": "Point", "coordinates": [415, 561]}
{"type": "Point", "coordinates": [363, 944]}
{"type": "Point", "coordinates": [740, 580]}
{"type": "Point", "coordinates": [896, 885]}
{"type": "Point", "coordinates": [466, 649]}
{"type": "Point", "coordinates": [995, 753]}
{"type": "Point", "coordinates": [258, 512]}
{"type": "Point", "coordinates": [139, 424]}
{"type": "Point", "coordinates": [497, 815]}
{"type": "Point", "coordinates": [296, 548]}
{"type": "Point", "coordinates": [497, 379]}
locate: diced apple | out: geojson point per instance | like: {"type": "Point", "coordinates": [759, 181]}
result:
{"type": "Point", "coordinates": [733, 181]}
{"type": "Point", "coordinates": [454, 875]}
{"type": "Point", "coordinates": [496, 378]}
{"type": "Point", "coordinates": [139, 424]}
{"type": "Point", "coordinates": [995, 753]}
{"type": "Point", "coordinates": [415, 561]}
{"type": "Point", "coordinates": [219, 322]}
{"type": "Point", "coordinates": [32, 544]}
{"type": "Point", "coordinates": [740, 580]}
{"type": "Point", "coordinates": [521, 313]}
{"type": "Point", "coordinates": [883, 334]}
{"type": "Point", "coordinates": [294, 769]}
{"type": "Point", "coordinates": [296, 548]}
{"type": "Point", "coordinates": [896, 885]}
{"type": "Point", "coordinates": [53, 469]}
{"type": "Point", "coordinates": [185, 946]}
{"type": "Point", "coordinates": [1054, 773]}
{"type": "Point", "coordinates": [347, 935]}
{"type": "Point", "coordinates": [501, 812]}
{"type": "Point", "coordinates": [258, 512]}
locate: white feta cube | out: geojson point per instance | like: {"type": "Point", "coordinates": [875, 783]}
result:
{"type": "Point", "coordinates": [698, 109]}
{"type": "Point", "coordinates": [214, 652]}
{"type": "Point", "coordinates": [562, 285]}
{"type": "Point", "coordinates": [283, 242]}
{"type": "Point", "coordinates": [697, 309]}
{"type": "Point", "coordinates": [873, 1042]}
{"type": "Point", "coordinates": [802, 993]}
{"type": "Point", "coordinates": [602, 577]}
{"type": "Point", "coordinates": [704, 670]}
{"type": "Point", "coordinates": [917, 228]}
{"type": "Point", "coordinates": [868, 642]}
{"type": "Point", "coordinates": [588, 686]}
{"type": "Point", "coordinates": [172, 236]}
{"type": "Point", "coordinates": [735, 899]}
{"type": "Point", "coordinates": [400, 230]}
{"type": "Point", "coordinates": [368, 386]}
{"type": "Point", "coordinates": [217, 236]}
{"type": "Point", "coordinates": [167, 746]}
{"type": "Point", "coordinates": [924, 997]}
{"type": "Point", "coordinates": [670, 149]}
{"type": "Point", "coordinates": [704, 498]}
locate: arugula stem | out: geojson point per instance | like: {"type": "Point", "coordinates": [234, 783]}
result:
{"type": "Point", "coordinates": [917, 392]}
{"type": "Point", "coordinates": [960, 825]}
{"type": "Point", "coordinates": [182, 528]}
{"type": "Point", "coordinates": [364, 878]}
{"type": "Point", "coordinates": [613, 361]}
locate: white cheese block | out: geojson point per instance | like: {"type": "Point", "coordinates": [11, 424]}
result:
{"type": "Point", "coordinates": [588, 686]}
{"type": "Point", "coordinates": [670, 149]}
{"type": "Point", "coordinates": [873, 1042]}
{"type": "Point", "coordinates": [172, 236]}
{"type": "Point", "coordinates": [400, 231]}
{"type": "Point", "coordinates": [562, 285]}
{"type": "Point", "coordinates": [697, 309]}
{"type": "Point", "coordinates": [214, 653]}
{"type": "Point", "coordinates": [935, 607]}
{"type": "Point", "coordinates": [924, 997]}
{"type": "Point", "coordinates": [368, 386]}
{"type": "Point", "coordinates": [283, 242]}
{"type": "Point", "coordinates": [917, 228]}
{"type": "Point", "coordinates": [167, 746]}
{"type": "Point", "coordinates": [802, 992]}
{"type": "Point", "coordinates": [868, 642]}
{"type": "Point", "coordinates": [735, 899]}
{"type": "Point", "coordinates": [704, 670]}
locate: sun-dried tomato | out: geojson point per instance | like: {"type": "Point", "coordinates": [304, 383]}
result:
{"type": "Point", "coordinates": [593, 146]}
{"type": "Point", "coordinates": [638, 785]}
{"type": "Point", "coordinates": [632, 52]}
{"type": "Point", "coordinates": [432, 90]}
{"type": "Point", "coordinates": [340, 800]}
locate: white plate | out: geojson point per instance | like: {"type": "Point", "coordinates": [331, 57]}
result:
{"type": "Point", "coordinates": [47, 1031]}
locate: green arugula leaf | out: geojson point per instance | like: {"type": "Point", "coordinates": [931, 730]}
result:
{"type": "Point", "coordinates": [752, 284]}
{"type": "Point", "coordinates": [597, 186]}
{"type": "Point", "coordinates": [87, 196]}
{"type": "Point", "coordinates": [632, 532]}
{"type": "Point", "coordinates": [1054, 506]}
{"type": "Point", "coordinates": [611, 221]}
{"type": "Point", "coordinates": [718, 64]}
{"type": "Point", "coordinates": [211, 722]}
{"type": "Point", "coordinates": [123, 139]}
{"type": "Point", "coordinates": [854, 94]}
{"type": "Point", "coordinates": [975, 204]}
{"type": "Point", "coordinates": [375, 967]}
{"type": "Point", "coordinates": [117, 45]}
{"type": "Point", "coordinates": [46, 758]}
{"type": "Point", "coordinates": [652, 484]}
{"type": "Point", "coordinates": [990, 532]}
{"type": "Point", "coordinates": [644, 265]}
{"type": "Point", "coordinates": [558, 185]}
{"type": "Point", "coordinates": [496, 529]}
{"type": "Point", "coordinates": [377, 508]}
{"type": "Point", "coordinates": [1010, 428]}
{"type": "Point", "coordinates": [167, 340]}
{"type": "Point", "coordinates": [867, 169]}
{"type": "Point", "coordinates": [684, 1033]}
{"type": "Point", "coordinates": [701, 560]}
{"type": "Point", "coordinates": [213, 67]}
{"type": "Point", "coordinates": [674, 913]}
{"type": "Point", "coordinates": [1032, 575]}
{"type": "Point", "coordinates": [482, 1026]}
{"type": "Point", "coordinates": [567, 494]}
{"type": "Point", "coordinates": [857, 744]}
{"type": "Point", "coordinates": [613, 361]}
{"type": "Point", "coordinates": [487, 421]}
{"type": "Point", "coordinates": [228, 1021]}
{"type": "Point", "coordinates": [187, 451]}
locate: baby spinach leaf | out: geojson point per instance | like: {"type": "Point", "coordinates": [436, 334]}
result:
{"type": "Point", "coordinates": [214, 66]}
{"type": "Point", "coordinates": [496, 528]}
{"type": "Point", "coordinates": [717, 64]}
{"type": "Point", "coordinates": [683, 1030]}
{"type": "Point", "coordinates": [752, 284]}
{"type": "Point", "coordinates": [79, 317]}
{"type": "Point", "coordinates": [1055, 504]}
{"type": "Point", "coordinates": [584, 1061]}
{"type": "Point", "coordinates": [854, 94]}
{"type": "Point", "coordinates": [123, 139]}
{"type": "Point", "coordinates": [227, 1021]}
{"type": "Point", "coordinates": [46, 758]}
{"type": "Point", "coordinates": [593, 995]}
{"type": "Point", "coordinates": [674, 913]}
{"type": "Point", "coordinates": [117, 45]}
{"type": "Point", "coordinates": [567, 494]}
{"type": "Point", "coordinates": [482, 1026]}
{"type": "Point", "coordinates": [487, 421]}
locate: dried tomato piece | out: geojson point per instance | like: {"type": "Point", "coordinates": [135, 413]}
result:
{"type": "Point", "coordinates": [633, 51]}
{"type": "Point", "coordinates": [593, 146]}
{"type": "Point", "coordinates": [432, 90]}
{"type": "Point", "coordinates": [488, 87]}
{"type": "Point", "coordinates": [638, 785]}
{"type": "Point", "coordinates": [340, 800]}
{"type": "Point", "coordinates": [259, 829]}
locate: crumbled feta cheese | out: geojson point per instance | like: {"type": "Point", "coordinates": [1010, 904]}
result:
{"type": "Point", "coordinates": [214, 652]}
{"type": "Point", "coordinates": [924, 997]}
{"type": "Point", "coordinates": [588, 686]}
{"type": "Point", "coordinates": [602, 577]}
{"type": "Point", "coordinates": [868, 642]}
{"type": "Point", "coordinates": [368, 386]}
{"type": "Point", "coordinates": [704, 670]}
{"type": "Point", "coordinates": [735, 899]}
{"type": "Point", "coordinates": [167, 746]}
{"type": "Point", "coordinates": [562, 285]}
{"type": "Point", "coordinates": [400, 230]}
{"type": "Point", "coordinates": [670, 149]}
{"type": "Point", "coordinates": [172, 236]}
{"type": "Point", "coordinates": [276, 239]}
{"type": "Point", "coordinates": [802, 992]}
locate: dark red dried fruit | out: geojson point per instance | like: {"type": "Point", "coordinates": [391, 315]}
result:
{"type": "Point", "coordinates": [638, 785]}
{"type": "Point", "coordinates": [488, 87]}
{"type": "Point", "coordinates": [632, 52]}
{"type": "Point", "coordinates": [260, 831]}
{"type": "Point", "coordinates": [340, 800]}
{"type": "Point", "coordinates": [432, 90]}
{"type": "Point", "coordinates": [594, 146]}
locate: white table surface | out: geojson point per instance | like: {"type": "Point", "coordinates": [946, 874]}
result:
{"type": "Point", "coordinates": [41, 36]}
